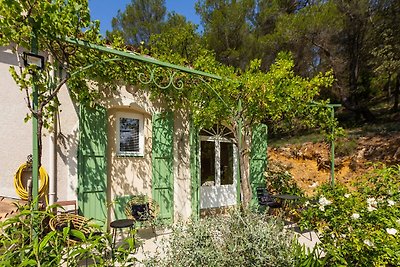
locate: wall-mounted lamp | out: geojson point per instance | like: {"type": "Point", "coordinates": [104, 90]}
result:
{"type": "Point", "coordinates": [33, 59]}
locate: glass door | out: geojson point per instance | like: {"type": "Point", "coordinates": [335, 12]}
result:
{"type": "Point", "coordinates": [218, 165]}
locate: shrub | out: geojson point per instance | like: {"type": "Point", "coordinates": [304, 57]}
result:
{"type": "Point", "coordinates": [279, 180]}
{"type": "Point", "coordinates": [361, 227]}
{"type": "Point", "coordinates": [27, 240]}
{"type": "Point", "coordinates": [345, 147]}
{"type": "Point", "coordinates": [241, 238]}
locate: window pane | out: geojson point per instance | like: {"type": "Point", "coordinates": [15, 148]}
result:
{"type": "Point", "coordinates": [207, 163]}
{"type": "Point", "coordinates": [128, 135]}
{"type": "Point", "coordinates": [226, 155]}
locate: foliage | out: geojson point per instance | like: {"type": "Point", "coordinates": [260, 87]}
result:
{"type": "Point", "coordinates": [178, 39]}
{"type": "Point", "coordinates": [360, 227]}
{"type": "Point", "coordinates": [48, 22]}
{"type": "Point", "coordinates": [345, 147]}
{"type": "Point", "coordinates": [226, 31]}
{"type": "Point", "coordinates": [241, 238]}
{"type": "Point", "coordinates": [309, 258]}
{"type": "Point", "coordinates": [27, 240]}
{"type": "Point", "coordinates": [280, 181]}
{"type": "Point", "coordinates": [281, 95]}
{"type": "Point", "coordinates": [139, 20]}
{"type": "Point", "coordinates": [357, 39]}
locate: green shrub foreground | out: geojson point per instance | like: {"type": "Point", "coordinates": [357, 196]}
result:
{"type": "Point", "coordinates": [241, 238]}
{"type": "Point", "coordinates": [27, 240]}
{"type": "Point", "coordinates": [360, 227]}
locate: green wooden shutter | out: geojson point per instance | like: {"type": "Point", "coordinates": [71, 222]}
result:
{"type": "Point", "coordinates": [258, 158]}
{"type": "Point", "coordinates": [120, 203]}
{"type": "Point", "coordinates": [162, 161]}
{"type": "Point", "coordinates": [92, 167]}
{"type": "Point", "coordinates": [194, 171]}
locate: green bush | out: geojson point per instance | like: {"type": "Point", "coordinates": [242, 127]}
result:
{"type": "Point", "coordinates": [27, 240]}
{"type": "Point", "coordinates": [279, 180]}
{"type": "Point", "coordinates": [360, 227]}
{"type": "Point", "coordinates": [241, 238]}
{"type": "Point", "coordinates": [345, 147]}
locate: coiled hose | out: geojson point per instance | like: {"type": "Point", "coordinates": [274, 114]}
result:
{"type": "Point", "coordinates": [22, 191]}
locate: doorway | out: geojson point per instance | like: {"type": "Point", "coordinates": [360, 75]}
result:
{"type": "Point", "coordinates": [218, 168]}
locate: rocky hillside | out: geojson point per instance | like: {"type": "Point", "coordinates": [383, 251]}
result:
{"type": "Point", "coordinates": [309, 163]}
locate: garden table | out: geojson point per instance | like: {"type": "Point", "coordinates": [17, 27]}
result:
{"type": "Point", "coordinates": [121, 224]}
{"type": "Point", "coordinates": [286, 197]}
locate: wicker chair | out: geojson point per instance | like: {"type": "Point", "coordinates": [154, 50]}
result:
{"type": "Point", "coordinates": [141, 209]}
{"type": "Point", "coordinates": [62, 220]}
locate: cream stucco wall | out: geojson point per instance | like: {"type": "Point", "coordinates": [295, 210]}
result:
{"type": "Point", "coordinates": [67, 148]}
{"type": "Point", "coordinates": [182, 182]}
{"type": "Point", "coordinates": [16, 136]}
{"type": "Point", "coordinates": [126, 175]}
{"type": "Point", "coordinates": [133, 175]}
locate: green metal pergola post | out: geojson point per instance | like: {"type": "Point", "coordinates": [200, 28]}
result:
{"type": "Point", "coordinates": [332, 108]}
{"type": "Point", "coordinates": [333, 150]}
{"type": "Point", "coordinates": [35, 141]}
{"type": "Point", "coordinates": [238, 191]}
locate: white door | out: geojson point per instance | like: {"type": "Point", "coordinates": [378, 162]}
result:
{"type": "Point", "coordinates": [218, 168]}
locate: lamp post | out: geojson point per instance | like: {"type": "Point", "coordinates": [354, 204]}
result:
{"type": "Point", "coordinates": [34, 59]}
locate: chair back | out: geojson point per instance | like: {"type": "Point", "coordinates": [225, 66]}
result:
{"type": "Point", "coordinates": [265, 199]}
{"type": "Point", "coordinates": [141, 208]}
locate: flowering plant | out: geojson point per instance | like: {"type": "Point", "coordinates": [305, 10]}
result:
{"type": "Point", "coordinates": [361, 226]}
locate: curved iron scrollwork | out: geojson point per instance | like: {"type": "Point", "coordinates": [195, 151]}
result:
{"type": "Point", "coordinates": [161, 77]}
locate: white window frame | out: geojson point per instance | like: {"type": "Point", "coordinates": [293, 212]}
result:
{"type": "Point", "coordinates": [217, 140]}
{"type": "Point", "coordinates": [135, 116]}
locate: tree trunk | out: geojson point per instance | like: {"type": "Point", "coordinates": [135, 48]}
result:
{"type": "Point", "coordinates": [396, 94]}
{"type": "Point", "coordinates": [359, 110]}
{"type": "Point", "coordinates": [244, 164]}
{"type": "Point", "coordinates": [245, 173]}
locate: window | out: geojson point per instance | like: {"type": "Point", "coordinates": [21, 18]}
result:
{"type": "Point", "coordinates": [217, 157]}
{"type": "Point", "coordinates": [130, 139]}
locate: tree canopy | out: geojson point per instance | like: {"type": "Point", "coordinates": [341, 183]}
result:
{"type": "Point", "coordinates": [356, 39]}
{"type": "Point", "coordinates": [139, 20]}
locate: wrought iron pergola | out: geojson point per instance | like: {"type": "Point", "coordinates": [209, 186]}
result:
{"type": "Point", "coordinates": [152, 66]}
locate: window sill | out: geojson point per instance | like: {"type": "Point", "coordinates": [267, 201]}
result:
{"type": "Point", "coordinates": [130, 155]}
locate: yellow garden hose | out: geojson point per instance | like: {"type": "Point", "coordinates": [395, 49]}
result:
{"type": "Point", "coordinates": [22, 191]}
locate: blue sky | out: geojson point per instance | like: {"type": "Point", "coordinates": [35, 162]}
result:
{"type": "Point", "coordinates": [105, 10]}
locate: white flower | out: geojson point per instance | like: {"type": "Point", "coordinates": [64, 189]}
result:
{"type": "Point", "coordinates": [372, 201]}
{"type": "Point", "coordinates": [391, 202]}
{"type": "Point", "coordinates": [346, 195]}
{"type": "Point", "coordinates": [355, 216]}
{"type": "Point", "coordinates": [321, 208]}
{"type": "Point", "coordinates": [391, 231]}
{"type": "Point", "coordinates": [307, 203]}
{"type": "Point", "coordinates": [313, 185]}
{"type": "Point", "coordinates": [324, 202]}
{"type": "Point", "coordinates": [368, 243]}
{"type": "Point", "coordinates": [370, 208]}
